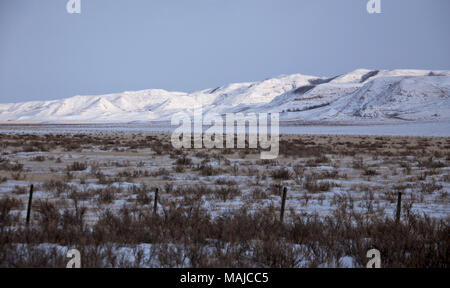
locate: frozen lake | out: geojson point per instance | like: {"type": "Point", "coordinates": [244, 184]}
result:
{"type": "Point", "coordinates": [430, 129]}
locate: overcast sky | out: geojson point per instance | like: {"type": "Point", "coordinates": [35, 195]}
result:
{"type": "Point", "coordinates": [179, 45]}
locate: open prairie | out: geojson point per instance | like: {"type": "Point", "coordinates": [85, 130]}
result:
{"type": "Point", "coordinates": [221, 207]}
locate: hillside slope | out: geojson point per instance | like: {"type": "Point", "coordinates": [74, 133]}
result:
{"type": "Point", "coordinates": [387, 95]}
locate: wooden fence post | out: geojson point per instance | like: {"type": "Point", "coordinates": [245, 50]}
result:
{"type": "Point", "coordinates": [283, 203]}
{"type": "Point", "coordinates": [30, 199]}
{"type": "Point", "coordinates": [155, 204]}
{"type": "Point", "coordinates": [399, 207]}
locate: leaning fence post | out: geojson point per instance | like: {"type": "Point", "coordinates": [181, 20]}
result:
{"type": "Point", "coordinates": [399, 207]}
{"type": "Point", "coordinates": [283, 202]}
{"type": "Point", "coordinates": [30, 199]}
{"type": "Point", "coordinates": [155, 204]}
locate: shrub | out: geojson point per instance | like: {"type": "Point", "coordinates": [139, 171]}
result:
{"type": "Point", "coordinates": [314, 186]}
{"type": "Point", "coordinates": [184, 161]}
{"type": "Point", "coordinates": [281, 174]}
{"type": "Point", "coordinates": [77, 166]}
{"type": "Point", "coordinates": [38, 158]}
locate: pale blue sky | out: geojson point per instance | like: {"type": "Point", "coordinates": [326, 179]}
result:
{"type": "Point", "coordinates": [114, 46]}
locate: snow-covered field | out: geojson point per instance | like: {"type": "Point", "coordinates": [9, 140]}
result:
{"type": "Point", "coordinates": [95, 192]}
{"type": "Point", "coordinates": [425, 129]}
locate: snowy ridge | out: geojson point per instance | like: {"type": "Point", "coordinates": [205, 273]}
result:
{"type": "Point", "coordinates": [361, 95]}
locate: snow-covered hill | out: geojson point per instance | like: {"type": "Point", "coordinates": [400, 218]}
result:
{"type": "Point", "coordinates": [386, 95]}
